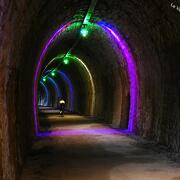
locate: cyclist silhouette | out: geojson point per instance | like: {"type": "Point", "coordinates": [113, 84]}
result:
{"type": "Point", "coordinates": [61, 106]}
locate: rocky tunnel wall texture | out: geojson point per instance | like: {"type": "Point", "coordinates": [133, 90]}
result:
{"type": "Point", "coordinates": [152, 32]}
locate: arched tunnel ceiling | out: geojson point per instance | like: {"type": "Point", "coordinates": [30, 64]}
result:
{"type": "Point", "coordinates": [152, 31]}
{"type": "Point", "coordinates": [96, 50]}
{"type": "Point", "coordinates": [131, 71]}
{"type": "Point", "coordinates": [141, 32]}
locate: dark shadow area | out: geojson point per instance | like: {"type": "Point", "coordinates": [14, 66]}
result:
{"type": "Point", "coordinates": [54, 119]}
{"type": "Point", "coordinates": [87, 148]}
{"type": "Point", "coordinates": [96, 157]}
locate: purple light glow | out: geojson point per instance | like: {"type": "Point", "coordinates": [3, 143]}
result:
{"type": "Point", "coordinates": [59, 31]}
{"type": "Point", "coordinates": [82, 132]}
{"type": "Point", "coordinates": [131, 73]}
{"type": "Point", "coordinates": [68, 81]}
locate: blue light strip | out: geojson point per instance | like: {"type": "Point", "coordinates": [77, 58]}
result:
{"type": "Point", "coordinates": [70, 86]}
{"type": "Point", "coordinates": [68, 81]}
{"type": "Point", "coordinates": [55, 86]}
{"type": "Point", "coordinates": [46, 92]}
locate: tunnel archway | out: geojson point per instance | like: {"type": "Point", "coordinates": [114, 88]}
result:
{"type": "Point", "coordinates": [123, 49]}
{"type": "Point", "coordinates": [87, 71]}
{"type": "Point", "coordinates": [151, 30]}
{"type": "Point", "coordinates": [67, 80]}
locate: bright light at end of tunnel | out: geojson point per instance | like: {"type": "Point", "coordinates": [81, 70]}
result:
{"type": "Point", "coordinates": [66, 61]}
{"type": "Point", "coordinates": [84, 32]}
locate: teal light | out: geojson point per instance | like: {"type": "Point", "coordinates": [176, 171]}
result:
{"type": "Point", "coordinates": [44, 79]}
{"type": "Point", "coordinates": [84, 32]}
{"type": "Point", "coordinates": [87, 18]}
{"type": "Point", "coordinates": [66, 61]}
{"type": "Point", "coordinates": [53, 73]}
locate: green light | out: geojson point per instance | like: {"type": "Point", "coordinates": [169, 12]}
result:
{"type": "Point", "coordinates": [44, 79]}
{"type": "Point", "coordinates": [87, 18]}
{"type": "Point", "coordinates": [66, 61]}
{"type": "Point", "coordinates": [74, 26]}
{"type": "Point", "coordinates": [53, 73]}
{"type": "Point", "coordinates": [84, 32]}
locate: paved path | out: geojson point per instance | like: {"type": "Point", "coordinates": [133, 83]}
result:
{"type": "Point", "coordinates": [102, 155]}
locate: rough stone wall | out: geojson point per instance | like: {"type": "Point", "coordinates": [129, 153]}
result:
{"type": "Point", "coordinates": [8, 170]}
{"type": "Point", "coordinates": [19, 19]}
{"type": "Point", "coordinates": [14, 131]}
{"type": "Point", "coordinates": [152, 30]}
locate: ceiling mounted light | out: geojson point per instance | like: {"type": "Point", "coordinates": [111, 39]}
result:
{"type": "Point", "coordinates": [66, 61]}
{"type": "Point", "coordinates": [44, 79]}
{"type": "Point", "coordinates": [53, 73]}
{"type": "Point", "coordinates": [84, 32]}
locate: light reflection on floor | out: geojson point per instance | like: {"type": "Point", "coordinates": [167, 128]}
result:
{"type": "Point", "coordinates": [94, 151]}
{"type": "Point", "coordinates": [53, 124]}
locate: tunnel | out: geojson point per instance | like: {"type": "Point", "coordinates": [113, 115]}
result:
{"type": "Point", "coordinates": [115, 64]}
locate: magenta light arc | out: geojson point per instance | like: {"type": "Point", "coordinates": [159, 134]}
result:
{"type": "Point", "coordinates": [132, 73]}
{"type": "Point", "coordinates": [83, 132]}
{"type": "Point", "coordinates": [37, 71]}
{"type": "Point", "coordinates": [46, 92]}
{"type": "Point", "coordinates": [129, 61]}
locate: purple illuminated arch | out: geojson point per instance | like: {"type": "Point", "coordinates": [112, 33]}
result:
{"type": "Point", "coordinates": [131, 69]}
{"type": "Point", "coordinates": [37, 72]}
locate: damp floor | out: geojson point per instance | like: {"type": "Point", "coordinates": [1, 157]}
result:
{"type": "Point", "coordinates": [107, 154]}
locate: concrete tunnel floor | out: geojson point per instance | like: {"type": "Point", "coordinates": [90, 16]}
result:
{"type": "Point", "coordinates": [97, 156]}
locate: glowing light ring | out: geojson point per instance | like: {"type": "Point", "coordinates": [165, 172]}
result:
{"type": "Point", "coordinates": [92, 85]}
{"type": "Point", "coordinates": [46, 92]}
{"type": "Point", "coordinates": [49, 64]}
{"type": "Point", "coordinates": [131, 67]}
{"type": "Point", "coordinates": [131, 72]}
{"type": "Point", "coordinates": [92, 106]}
{"type": "Point", "coordinates": [56, 87]}
{"type": "Point", "coordinates": [68, 81]}
{"type": "Point", "coordinates": [59, 31]}
{"type": "Point", "coordinates": [83, 132]}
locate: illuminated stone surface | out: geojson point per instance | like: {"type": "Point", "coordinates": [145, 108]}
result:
{"type": "Point", "coordinates": [80, 155]}
{"type": "Point", "coordinates": [152, 31]}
